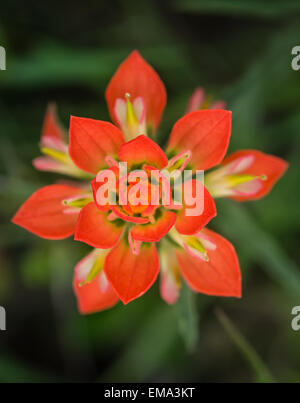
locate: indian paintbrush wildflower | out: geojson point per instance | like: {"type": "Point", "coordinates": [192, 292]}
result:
{"type": "Point", "coordinates": [135, 238]}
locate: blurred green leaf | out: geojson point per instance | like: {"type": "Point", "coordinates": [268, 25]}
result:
{"type": "Point", "coordinates": [14, 371]}
{"type": "Point", "coordinates": [261, 8]}
{"type": "Point", "coordinates": [260, 370]}
{"type": "Point", "coordinates": [35, 266]}
{"type": "Point", "coordinates": [147, 350]}
{"type": "Point", "coordinates": [54, 65]}
{"type": "Point", "coordinates": [186, 313]}
{"type": "Point", "coordinates": [243, 230]}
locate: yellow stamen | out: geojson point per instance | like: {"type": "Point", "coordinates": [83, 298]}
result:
{"type": "Point", "coordinates": [79, 202]}
{"type": "Point", "coordinates": [57, 155]}
{"type": "Point", "coordinates": [178, 164]}
{"type": "Point", "coordinates": [239, 179]}
{"type": "Point", "coordinates": [194, 243]}
{"type": "Point", "coordinates": [131, 118]}
{"type": "Point", "coordinates": [95, 270]}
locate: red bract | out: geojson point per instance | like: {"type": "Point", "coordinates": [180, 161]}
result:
{"type": "Point", "coordinates": [246, 175]}
{"type": "Point", "coordinates": [219, 273]}
{"type": "Point", "coordinates": [125, 260]}
{"type": "Point", "coordinates": [45, 214]}
{"type": "Point", "coordinates": [138, 79]}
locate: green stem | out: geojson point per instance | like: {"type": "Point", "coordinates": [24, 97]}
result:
{"type": "Point", "coordinates": [251, 356]}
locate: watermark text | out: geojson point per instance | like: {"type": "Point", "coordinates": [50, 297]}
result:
{"type": "Point", "coordinates": [296, 59]}
{"type": "Point", "coordinates": [2, 58]}
{"type": "Point", "coordinates": [2, 318]}
{"type": "Point", "coordinates": [295, 323]}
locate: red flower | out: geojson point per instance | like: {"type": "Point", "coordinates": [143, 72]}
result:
{"type": "Point", "coordinates": [122, 222]}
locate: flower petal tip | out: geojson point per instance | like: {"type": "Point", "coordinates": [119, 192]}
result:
{"type": "Point", "coordinates": [131, 275]}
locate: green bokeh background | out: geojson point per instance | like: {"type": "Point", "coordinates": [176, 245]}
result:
{"type": "Point", "coordinates": [240, 51]}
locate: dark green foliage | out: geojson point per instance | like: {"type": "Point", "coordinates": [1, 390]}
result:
{"type": "Point", "coordinates": [239, 51]}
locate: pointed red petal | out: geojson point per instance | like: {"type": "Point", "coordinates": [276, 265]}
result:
{"type": "Point", "coordinates": [188, 225]}
{"type": "Point", "coordinates": [51, 126]}
{"type": "Point", "coordinates": [44, 213]}
{"type": "Point", "coordinates": [94, 296]}
{"type": "Point", "coordinates": [206, 133]}
{"type": "Point", "coordinates": [154, 232]}
{"type": "Point", "coordinates": [94, 228]}
{"type": "Point", "coordinates": [219, 276]}
{"type": "Point", "coordinates": [142, 150]}
{"type": "Point", "coordinates": [263, 164]}
{"type": "Point", "coordinates": [136, 77]}
{"type": "Point", "coordinates": [131, 275]}
{"type": "Point", "coordinates": [91, 141]}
